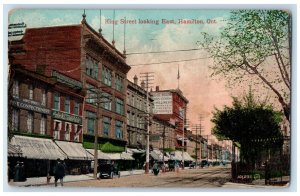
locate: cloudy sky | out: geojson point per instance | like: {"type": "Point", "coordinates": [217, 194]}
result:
{"type": "Point", "coordinates": [203, 92]}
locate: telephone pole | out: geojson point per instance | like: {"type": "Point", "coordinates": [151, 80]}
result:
{"type": "Point", "coordinates": [148, 78]}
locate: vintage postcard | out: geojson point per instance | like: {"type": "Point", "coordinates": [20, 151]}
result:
{"type": "Point", "coordinates": [149, 98]}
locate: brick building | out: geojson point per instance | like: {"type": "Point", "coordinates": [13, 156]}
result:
{"type": "Point", "coordinates": [80, 55]}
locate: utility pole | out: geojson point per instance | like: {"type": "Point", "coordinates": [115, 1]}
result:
{"type": "Point", "coordinates": [148, 77]}
{"type": "Point", "coordinates": [200, 121]}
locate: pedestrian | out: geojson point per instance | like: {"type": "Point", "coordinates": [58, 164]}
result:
{"type": "Point", "coordinates": [155, 169]}
{"type": "Point", "coordinates": [59, 172]}
{"type": "Point", "coordinates": [22, 172]}
{"type": "Point", "coordinates": [17, 172]}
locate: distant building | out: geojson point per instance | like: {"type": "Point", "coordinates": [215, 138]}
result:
{"type": "Point", "coordinates": [171, 106]}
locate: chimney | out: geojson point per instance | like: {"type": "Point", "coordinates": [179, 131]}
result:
{"type": "Point", "coordinates": [143, 85]}
{"type": "Point", "coordinates": [157, 88]}
{"type": "Point", "coordinates": [135, 79]}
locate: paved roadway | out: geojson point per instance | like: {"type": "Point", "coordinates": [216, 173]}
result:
{"type": "Point", "coordinates": [211, 177]}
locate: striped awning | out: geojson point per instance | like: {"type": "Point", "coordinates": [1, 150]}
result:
{"type": "Point", "coordinates": [74, 151]}
{"type": "Point", "coordinates": [14, 151]}
{"type": "Point", "coordinates": [38, 148]}
{"type": "Point", "coordinates": [126, 156]}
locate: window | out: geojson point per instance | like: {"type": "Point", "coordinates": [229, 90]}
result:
{"type": "Point", "coordinates": [106, 101]}
{"type": "Point", "coordinates": [106, 126]}
{"type": "Point", "coordinates": [91, 67]}
{"type": "Point", "coordinates": [67, 131]}
{"type": "Point", "coordinates": [76, 107]}
{"type": "Point", "coordinates": [56, 101]}
{"type": "Point", "coordinates": [67, 104]}
{"type": "Point", "coordinates": [57, 128]}
{"type": "Point", "coordinates": [78, 129]}
{"type": "Point", "coordinates": [30, 122]}
{"type": "Point", "coordinates": [119, 106]}
{"type": "Point", "coordinates": [15, 119]}
{"type": "Point", "coordinates": [91, 94]}
{"type": "Point", "coordinates": [132, 120]}
{"type": "Point", "coordinates": [119, 83]}
{"type": "Point", "coordinates": [128, 118]}
{"type": "Point", "coordinates": [30, 91]}
{"type": "Point", "coordinates": [91, 122]}
{"type": "Point", "coordinates": [44, 97]}
{"type": "Point", "coordinates": [119, 131]}
{"type": "Point", "coordinates": [43, 124]}
{"type": "Point", "coordinates": [106, 76]}
{"type": "Point", "coordinates": [16, 88]}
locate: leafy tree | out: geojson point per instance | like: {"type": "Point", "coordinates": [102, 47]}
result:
{"type": "Point", "coordinates": [255, 126]}
{"type": "Point", "coordinates": [255, 45]}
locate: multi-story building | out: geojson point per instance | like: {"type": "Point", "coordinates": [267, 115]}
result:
{"type": "Point", "coordinates": [78, 53]}
{"type": "Point", "coordinates": [137, 114]}
{"type": "Point", "coordinates": [85, 88]}
{"type": "Point", "coordinates": [171, 106]}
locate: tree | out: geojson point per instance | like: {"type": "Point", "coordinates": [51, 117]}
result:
{"type": "Point", "coordinates": [255, 45]}
{"type": "Point", "coordinates": [255, 126]}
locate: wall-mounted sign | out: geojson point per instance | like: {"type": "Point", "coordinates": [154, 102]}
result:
{"type": "Point", "coordinates": [163, 103]}
{"type": "Point", "coordinates": [66, 117]}
{"type": "Point", "coordinates": [30, 105]}
{"type": "Point", "coordinates": [66, 80]}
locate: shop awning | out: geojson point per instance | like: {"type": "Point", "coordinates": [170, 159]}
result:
{"type": "Point", "coordinates": [158, 155]}
{"type": "Point", "coordinates": [38, 148]}
{"type": "Point", "coordinates": [133, 150]}
{"type": "Point", "coordinates": [74, 151]}
{"type": "Point", "coordinates": [113, 156]}
{"type": "Point", "coordinates": [177, 155]}
{"type": "Point", "coordinates": [101, 155]}
{"type": "Point", "coordinates": [14, 151]}
{"type": "Point", "coordinates": [126, 156]}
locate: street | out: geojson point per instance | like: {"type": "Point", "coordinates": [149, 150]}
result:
{"type": "Point", "coordinates": [190, 178]}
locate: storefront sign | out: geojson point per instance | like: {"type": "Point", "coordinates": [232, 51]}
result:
{"type": "Point", "coordinates": [163, 103]}
{"type": "Point", "coordinates": [66, 80]}
{"type": "Point", "coordinates": [30, 105]}
{"type": "Point", "coordinates": [66, 117]}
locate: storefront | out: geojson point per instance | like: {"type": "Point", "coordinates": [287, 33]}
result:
{"type": "Point", "coordinates": [38, 154]}
{"type": "Point", "coordinates": [78, 159]}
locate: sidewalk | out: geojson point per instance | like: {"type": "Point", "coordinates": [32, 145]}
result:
{"type": "Point", "coordinates": [38, 181]}
{"type": "Point", "coordinates": [260, 184]}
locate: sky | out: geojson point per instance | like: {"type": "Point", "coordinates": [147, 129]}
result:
{"type": "Point", "coordinates": [203, 92]}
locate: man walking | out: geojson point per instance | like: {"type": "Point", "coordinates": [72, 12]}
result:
{"type": "Point", "coordinates": [59, 172]}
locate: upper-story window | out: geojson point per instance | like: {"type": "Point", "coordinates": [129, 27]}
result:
{"type": "Point", "coordinates": [91, 117]}
{"type": "Point", "coordinates": [44, 97]}
{"type": "Point", "coordinates": [76, 107]}
{"type": "Point", "coordinates": [67, 104]}
{"type": "Point", "coordinates": [43, 124]}
{"type": "Point", "coordinates": [16, 88]}
{"type": "Point", "coordinates": [119, 83]}
{"type": "Point", "coordinates": [56, 101]}
{"type": "Point", "coordinates": [106, 101]}
{"type": "Point", "coordinates": [119, 106]}
{"type": "Point", "coordinates": [107, 76]}
{"type": "Point", "coordinates": [92, 94]}
{"type": "Point", "coordinates": [92, 67]}
{"type": "Point", "coordinates": [30, 91]}
{"type": "Point", "coordinates": [118, 129]}
{"type": "Point", "coordinates": [106, 126]}
{"type": "Point", "coordinates": [15, 119]}
{"type": "Point", "coordinates": [30, 122]}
